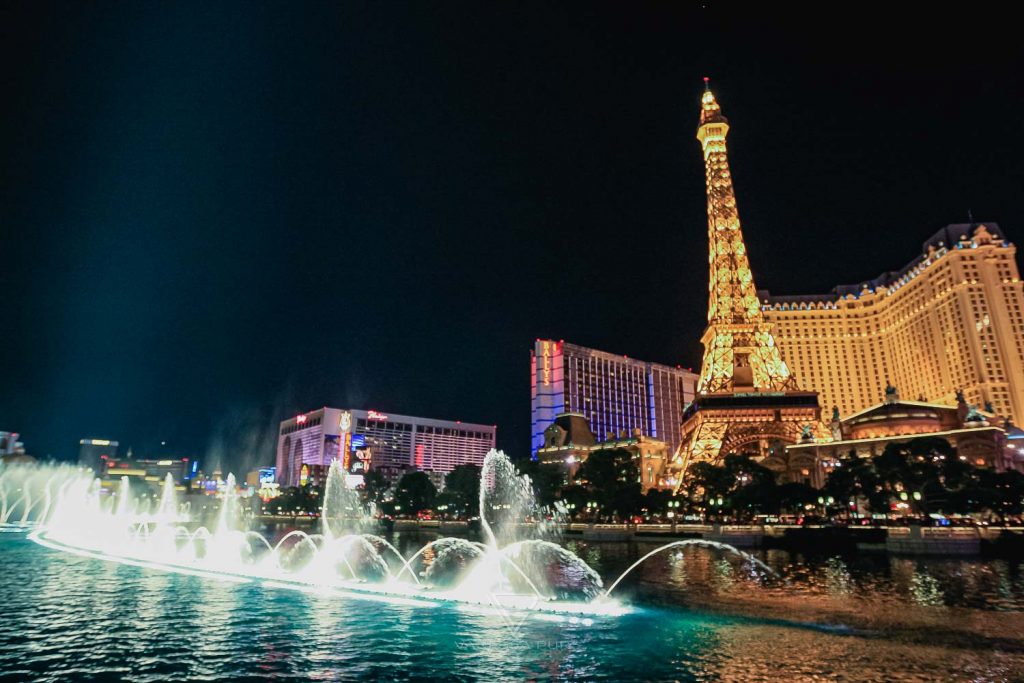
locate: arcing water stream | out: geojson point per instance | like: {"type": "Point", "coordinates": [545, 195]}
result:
{"type": "Point", "coordinates": [67, 510]}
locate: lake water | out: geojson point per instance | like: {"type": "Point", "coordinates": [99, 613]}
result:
{"type": "Point", "coordinates": [700, 617]}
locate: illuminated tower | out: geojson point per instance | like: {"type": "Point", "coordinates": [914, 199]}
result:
{"type": "Point", "coordinates": [739, 350]}
{"type": "Point", "coordinates": [747, 399]}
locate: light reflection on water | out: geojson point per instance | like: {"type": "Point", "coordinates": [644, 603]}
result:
{"type": "Point", "coordinates": [68, 618]}
{"type": "Point", "coordinates": [988, 584]}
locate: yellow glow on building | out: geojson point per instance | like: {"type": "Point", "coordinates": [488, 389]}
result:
{"type": "Point", "coordinates": [953, 319]}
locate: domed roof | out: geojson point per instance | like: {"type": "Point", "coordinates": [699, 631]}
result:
{"type": "Point", "coordinates": [900, 417]}
{"type": "Point", "coordinates": [897, 410]}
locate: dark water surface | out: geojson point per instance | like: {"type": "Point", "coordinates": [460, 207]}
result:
{"type": "Point", "coordinates": [703, 617]}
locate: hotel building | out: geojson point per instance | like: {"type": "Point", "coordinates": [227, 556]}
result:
{"type": "Point", "coordinates": [614, 393]}
{"type": "Point", "coordinates": [952, 319]}
{"type": "Point", "coordinates": [367, 439]}
{"type": "Point", "coordinates": [149, 469]}
{"type": "Point", "coordinates": [93, 453]}
{"type": "Point", "coordinates": [10, 448]}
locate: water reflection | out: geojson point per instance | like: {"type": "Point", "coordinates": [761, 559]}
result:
{"type": "Point", "coordinates": [837, 576]}
{"type": "Point", "coordinates": [911, 619]}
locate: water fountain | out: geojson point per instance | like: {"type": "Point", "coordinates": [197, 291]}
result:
{"type": "Point", "coordinates": [515, 567]}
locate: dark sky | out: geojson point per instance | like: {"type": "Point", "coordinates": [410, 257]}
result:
{"type": "Point", "coordinates": [214, 215]}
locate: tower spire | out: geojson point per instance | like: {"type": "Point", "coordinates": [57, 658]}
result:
{"type": "Point", "coordinates": [710, 112]}
{"type": "Point", "coordinates": [739, 349]}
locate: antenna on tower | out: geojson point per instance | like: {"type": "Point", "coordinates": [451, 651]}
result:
{"type": "Point", "coordinates": [707, 84]}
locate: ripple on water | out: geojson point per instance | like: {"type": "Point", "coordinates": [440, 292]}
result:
{"type": "Point", "coordinates": [69, 618]}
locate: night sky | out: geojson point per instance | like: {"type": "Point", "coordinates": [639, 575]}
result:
{"type": "Point", "coordinates": [215, 215]}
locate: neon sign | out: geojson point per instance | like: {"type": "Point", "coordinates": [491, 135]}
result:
{"type": "Point", "coordinates": [300, 419]}
{"type": "Point", "coordinates": [346, 451]}
{"type": "Point", "coordinates": [374, 415]}
{"type": "Point", "coordinates": [546, 356]}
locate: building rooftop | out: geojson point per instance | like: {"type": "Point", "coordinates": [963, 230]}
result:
{"type": "Point", "coordinates": [953, 236]}
{"type": "Point", "coordinates": [576, 430]}
{"type": "Point", "coordinates": [621, 358]}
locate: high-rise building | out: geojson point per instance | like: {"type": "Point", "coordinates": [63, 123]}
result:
{"type": "Point", "coordinates": [149, 469]}
{"type": "Point", "coordinates": [747, 399]}
{"type": "Point", "coordinates": [9, 443]}
{"type": "Point", "coordinates": [93, 453]}
{"type": "Point", "coordinates": [616, 394]}
{"type": "Point", "coordinates": [367, 439]}
{"type": "Point", "coordinates": [952, 319]}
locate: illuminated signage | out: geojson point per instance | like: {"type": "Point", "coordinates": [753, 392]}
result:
{"type": "Point", "coordinates": [300, 419]}
{"type": "Point", "coordinates": [546, 358]}
{"type": "Point", "coordinates": [303, 475]}
{"type": "Point", "coordinates": [164, 463]}
{"type": "Point", "coordinates": [365, 457]}
{"type": "Point", "coordinates": [92, 442]}
{"type": "Point", "coordinates": [346, 451]}
{"type": "Point", "coordinates": [346, 439]}
{"type": "Point", "coordinates": [374, 415]}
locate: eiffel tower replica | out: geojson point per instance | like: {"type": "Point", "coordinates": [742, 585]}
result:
{"type": "Point", "coordinates": [747, 399]}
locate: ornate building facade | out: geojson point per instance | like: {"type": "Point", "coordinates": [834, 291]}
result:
{"type": "Point", "coordinates": [747, 397]}
{"type": "Point", "coordinates": [980, 438]}
{"type": "Point", "coordinates": [952, 319]}
{"type": "Point", "coordinates": [568, 442]}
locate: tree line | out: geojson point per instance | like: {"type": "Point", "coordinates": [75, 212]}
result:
{"type": "Point", "coordinates": [922, 476]}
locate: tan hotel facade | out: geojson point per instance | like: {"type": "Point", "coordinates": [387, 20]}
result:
{"type": "Point", "coordinates": [951, 319]}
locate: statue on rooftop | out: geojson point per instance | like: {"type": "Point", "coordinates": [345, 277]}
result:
{"type": "Point", "coordinates": [807, 434]}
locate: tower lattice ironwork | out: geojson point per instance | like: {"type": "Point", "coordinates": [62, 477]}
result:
{"type": "Point", "coordinates": [740, 353]}
{"type": "Point", "coordinates": [747, 398]}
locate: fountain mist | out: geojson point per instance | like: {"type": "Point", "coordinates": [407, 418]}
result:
{"type": "Point", "coordinates": [70, 511]}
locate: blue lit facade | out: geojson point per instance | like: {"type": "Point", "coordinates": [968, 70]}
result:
{"type": "Point", "coordinates": [616, 394]}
